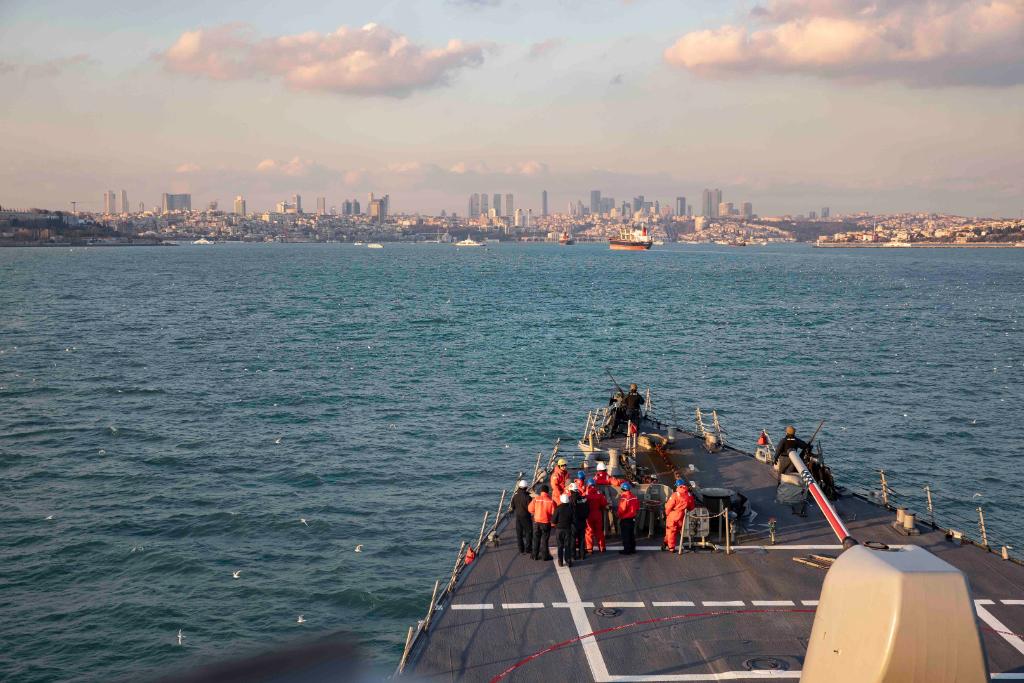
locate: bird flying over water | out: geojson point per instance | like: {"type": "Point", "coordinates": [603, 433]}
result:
{"type": "Point", "coordinates": [303, 520]}
{"type": "Point", "coordinates": [234, 574]}
{"type": "Point", "coordinates": [278, 439]}
{"type": "Point", "coordinates": [359, 548]}
{"type": "Point", "coordinates": [49, 517]}
{"type": "Point", "coordinates": [180, 637]}
{"type": "Point", "coordinates": [300, 620]}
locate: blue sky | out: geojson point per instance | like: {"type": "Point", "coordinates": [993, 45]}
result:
{"type": "Point", "coordinates": [793, 104]}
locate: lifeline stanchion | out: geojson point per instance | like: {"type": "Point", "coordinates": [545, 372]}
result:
{"type": "Point", "coordinates": [931, 510]}
{"type": "Point", "coordinates": [536, 468]}
{"type": "Point", "coordinates": [501, 506]}
{"type": "Point", "coordinates": [455, 570]}
{"type": "Point", "coordinates": [480, 538]}
{"type": "Point", "coordinates": [405, 652]}
{"type": "Point", "coordinates": [885, 488]}
{"type": "Point", "coordinates": [981, 526]}
{"type": "Point", "coordinates": [433, 603]}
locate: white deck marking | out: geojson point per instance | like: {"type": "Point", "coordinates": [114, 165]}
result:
{"type": "Point", "coordinates": [570, 605]}
{"type": "Point", "coordinates": [1007, 633]}
{"type": "Point", "coordinates": [1008, 677]}
{"type": "Point", "coordinates": [720, 676]}
{"type": "Point", "coordinates": [809, 603]}
{"type": "Point", "coordinates": [595, 660]}
{"type": "Point", "coordinates": [522, 605]}
{"type": "Point", "coordinates": [677, 603]}
{"type": "Point", "coordinates": [622, 604]}
{"type": "Point", "coordinates": [772, 603]}
{"type": "Point", "coordinates": [723, 603]}
{"type": "Point", "coordinates": [1012, 602]}
{"type": "Point", "coordinates": [478, 605]}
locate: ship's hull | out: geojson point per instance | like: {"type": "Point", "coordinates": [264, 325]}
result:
{"type": "Point", "coordinates": [628, 245]}
{"type": "Point", "coordinates": [567, 242]}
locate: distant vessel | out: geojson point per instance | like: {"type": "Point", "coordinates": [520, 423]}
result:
{"type": "Point", "coordinates": [469, 242]}
{"type": "Point", "coordinates": [659, 243]}
{"type": "Point", "coordinates": [374, 245]}
{"type": "Point", "coordinates": [358, 244]}
{"type": "Point", "coordinates": [566, 238]}
{"type": "Point", "coordinates": [202, 240]}
{"type": "Point", "coordinates": [631, 240]}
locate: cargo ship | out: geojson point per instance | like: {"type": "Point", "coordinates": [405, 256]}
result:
{"type": "Point", "coordinates": [847, 586]}
{"type": "Point", "coordinates": [631, 239]}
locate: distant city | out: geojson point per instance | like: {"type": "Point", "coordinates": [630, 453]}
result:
{"type": "Point", "coordinates": [492, 216]}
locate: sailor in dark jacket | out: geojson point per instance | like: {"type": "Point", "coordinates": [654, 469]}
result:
{"type": "Point", "coordinates": [581, 508]}
{"type": "Point", "coordinates": [787, 444]}
{"type": "Point", "coordinates": [564, 521]}
{"type": "Point", "coordinates": [524, 521]}
{"type": "Point", "coordinates": [632, 402]}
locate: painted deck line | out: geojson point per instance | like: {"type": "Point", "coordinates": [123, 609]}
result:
{"type": "Point", "coordinates": [809, 603]}
{"type": "Point", "coordinates": [676, 603]}
{"type": "Point", "coordinates": [571, 605]}
{"type": "Point", "coordinates": [478, 605]}
{"type": "Point", "coordinates": [723, 603]}
{"type": "Point", "coordinates": [598, 669]}
{"type": "Point", "coordinates": [522, 605]}
{"type": "Point", "coordinates": [772, 603]}
{"type": "Point", "coordinates": [1007, 677]}
{"type": "Point", "coordinates": [622, 604]}
{"type": "Point", "coordinates": [1006, 632]}
{"type": "Point", "coordinates": [720, 676]}
{"type": "Point", "coordinates": [1012, 602]}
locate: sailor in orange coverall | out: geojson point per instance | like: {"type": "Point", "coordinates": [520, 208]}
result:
{"type": "Point", "coordinates": [559, 479]}
{"type": "Point", "coordinates": [629, 506]}
{"type": "Point", "coordinates": [679, 503]}
{"type": "Point", "coordinates": [601, 478]}
{"type": "Point", "coordinates": [595, 518]}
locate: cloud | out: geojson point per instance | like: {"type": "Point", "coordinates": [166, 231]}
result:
{"type": "Point", "coordinates": [476, 4]}
{"type": "Point", "coordinates": [372, 60]}
{"type": "Point", "coordinates": [924, 43]}
{"type": "Point", "coordinates": [545, 47]}
{"type": "Point", "coordinates": [188, 168]}
{"type": "Point", "coordinates": [616, 80]}
{"type": "Point", "coordinates": [49, 68]}
{"type": "Point", "coordinates": [529, 168]}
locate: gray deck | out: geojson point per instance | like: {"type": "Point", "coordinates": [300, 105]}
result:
{"type": "Point", "coordinates": [754, 604]}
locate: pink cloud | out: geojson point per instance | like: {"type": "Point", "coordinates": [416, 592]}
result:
{"type": "Point", "coordinates": [545, 47]}
{"type": "Point", "coordinates": [296, 167]}
{"type": "Point", "coordinates": [918, 42]}
{"type": "Point", "coordinates": [188, 167]}
{"type": "Point", "coordinates": [372, 60]}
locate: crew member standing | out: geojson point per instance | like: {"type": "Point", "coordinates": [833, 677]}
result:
{"type": "Point", "coordinates": [524, 522]}
{"type": "Point", "coordinates": [679, 503]}
{"type": "Point", "coordinates": [788, 443]}
{"type": "Point", "coordinates": [596, 506]}
{"type": "Point", "coordinates": [581, 508]}
{"type": "Point", "coordinates": [629, 506]}
{"type": "Point", "coordinates": [601, 478]}
{"type": "Point", "coordinates": [564, 520]}
{"type": "Point", "coordinates": [559, 479]}
{"type": "Point", "coordinates": [542, 508]}
{"type": "Point", "coordinates": [632, 403]}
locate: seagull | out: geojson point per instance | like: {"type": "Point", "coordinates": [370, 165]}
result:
{"type": "Point", "coordinates": [978, 495]}
{"type": "Point", "coordinates": [278, 439]}
{"type": "Point", "coordinates": [359, 548]}
{"type": "Point", "coordinates": [49, 517]}
{"type": "Point", "coordinates": [180, 637]}
{"type": "Point", "coordinates": [303, 520]}
{"type": "Point", "coordinates": [300, 620]}
{"type": "Point", "coordinates": [234, 574]}
{"type": "Point", "coordinates": [974, 422]}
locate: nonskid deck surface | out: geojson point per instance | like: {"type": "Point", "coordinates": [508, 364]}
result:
{"type": "Point", "coordinates": [709, 616]}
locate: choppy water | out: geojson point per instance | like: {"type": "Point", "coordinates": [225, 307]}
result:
{"type": "Point", "coordinates": [177, 411]}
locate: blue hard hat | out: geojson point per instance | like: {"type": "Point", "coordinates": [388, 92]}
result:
{"type": "Point", "coordinates": [626, 486]}
{"type": "Point", "coordinates": [581, 475]}
{"type": "Point", "coordinates": [680, 482]}
{"type": "Point", "coordinates": [590, 482]}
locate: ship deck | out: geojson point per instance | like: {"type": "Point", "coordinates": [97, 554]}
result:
{"type": "Point", "coordinates": [699, 616]}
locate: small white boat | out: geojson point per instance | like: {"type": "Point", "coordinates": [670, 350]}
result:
{"type": "Point", "coordinates": [659, 243]}
{"type": "Point", "coordinates": [357, 244]}
{"type": "Point", "coordinates": [374, 245]}
{"type": "Point", "coordinates": [469, 242]}
{"type": "Point", "coordinates": [202, 240]}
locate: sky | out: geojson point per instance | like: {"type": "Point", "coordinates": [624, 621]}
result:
{"type": "Point", "coordinates": [859, 105]}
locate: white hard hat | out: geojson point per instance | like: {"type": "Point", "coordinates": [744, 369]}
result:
{"type": "Point", "coordinates": [574, 487]}
{"type": "Point", "coordinates": [523, 484]}
{"type": "Point", "coordinates": [601, 467]}
{"type": "Point", "coordinates": [564, 498]}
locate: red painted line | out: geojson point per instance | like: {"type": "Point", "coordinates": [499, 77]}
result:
{"type": "Point", "coordinates": [656, 620]}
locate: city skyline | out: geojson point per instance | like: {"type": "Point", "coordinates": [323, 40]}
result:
{"type": "Point", "coordinates": [788, 105]}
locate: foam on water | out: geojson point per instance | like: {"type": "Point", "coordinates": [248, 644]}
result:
{"type": "Point", "coordinates": [213, 397]}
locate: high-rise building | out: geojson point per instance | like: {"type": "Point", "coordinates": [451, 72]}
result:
{"type": "Point", "coordinates": [595, 202]}
{"type": "Point", "coordinates": [239, 205]}
{"type": "Point", "coordinates": [710, 199]}
{"type": "Point", "coordinates": [176, 202]}
{"type": "Point", "coordinates": [725, 208]}
{"type": "Point", "coordinates": [124, 202]}
{"type": "Point", "coordinates": [813, 215]}
{"type": "Point", "coordinates": [297, 201]}
{"type": "Point", "coordinates": [346, 207]}
{"type": "Point", "coordinates": [544, 203]}
{"type": "Point", "coordinates": [483, 204]}
{"type": "Point", "coordinates": [509, 205]}
{"type": "Point", "coordinates": [356, 209]}
{"type": "Point", "coordinates": [638, 203]}
{"type": "Point", "coordinates": [825, 212]}
{"type": "Point", "coordinates": [497, 204]}
{"type": "Point", "coordinates": [378, 210]}
{"type": "Point", "coordinates": [625, 211]}
{"type": "Point", "coordinates": [680, 206]}
{"type": "Point", "coordinates": [212, 206]}
{"type": "Point", "coordinates": [109, 202]}
{"type": "Point", "coordinates": [748, 210]}
{"type": "Point", "coordinates": [474, 206]}
{"type": "Point", "coordinates": [387, 204]}
{"type": "Point", "coordinates": [519, 219]}
{"type": "Point", "coordinates": [321, 206]}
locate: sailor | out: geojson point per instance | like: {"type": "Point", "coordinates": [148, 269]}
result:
{"type": "Point", "coordinates": [679, 503]}
{"type": "Point", "coordinates": [788, 443]}
{"type": "Point", "coordinates": [629, 506]}
{"type": "Point", "coordinates": [631, 403]}
{"type": "Point", "coordinates": [559, 478]}
{"type": "Point", "coordinates": [596, 504]}
{"type": "Point", "coordinates": [581, 508]}
{"type": "Point", "coordinates": [564, 520]}
{"type": "Point", "coordinates": [524, 522]}
{"type": "Point", "coordinates": [601, 478]}
{"type": "Point", "coordinates": [542, 508]}
{"type": "Point", "coordinates": [616, 414]}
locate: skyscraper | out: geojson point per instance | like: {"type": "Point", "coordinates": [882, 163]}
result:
{"type": "Point", "coordinates": [748, 210]}
{"type": "Point", "coordinates": [484, 209]}
{"type": "Point", "coordinates": [109, 202]}
{"type": "Point", "coordinates": [176, 202]}
{"type": "Point", "coordinates": [346, 207]}
{"type": "Point", "coordinates": [239, 205]}
{"type": "Point", "coordinates": [509, 205]}
{"type": "Point", "coordinates": [497, 204]}
{"type": "Point", "coordinates": [638, 203]}
{"type": "Point", "coordinates": [680, 206]}
{"type": "Point", "coordinates": [474, 205]}
{"type": "Point", "coordinates": [378, 210]}
{"type": "Point", "coordinates": [321, 206]}
{"type": "Point", "coordinates": [725, 208]}
{"type": "Point", "coordinates": [710, 199]}
{"type": "Point", "coordinates": [595, 202]}
{"type": "Point", "coordinates": [544, 203]}
{"type": "Point", "coordinates": [355, 207]}
{"type": "Point", "coordinates": [825, 212]}
{"type": "Point", "coordinates": [297, 201]}
{"type": "Point", "coordinates": [124, 202]}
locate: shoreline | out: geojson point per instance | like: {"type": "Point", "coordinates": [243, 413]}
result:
{"type": "Point", "coordinates": [917, 245]}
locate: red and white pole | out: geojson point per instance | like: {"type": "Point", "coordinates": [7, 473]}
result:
{"type": "Point", "coordinates": [831, 516]}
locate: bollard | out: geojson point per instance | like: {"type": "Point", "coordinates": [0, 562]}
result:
{"type": "Point", "coordinates": [901, 512]}
{"type": "Point", "coordinates": [433, 603]}
{"type": "Point", "coordinates": [1006, 553]}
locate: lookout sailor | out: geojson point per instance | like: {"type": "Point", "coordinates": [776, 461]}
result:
{"type": "Point", "coordinates": [524, 522]}
{"type": "Point", "coordinates": [790, 442]}
{"type": "Point", "coordinates": [632, 402]}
